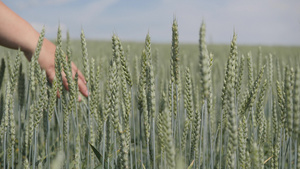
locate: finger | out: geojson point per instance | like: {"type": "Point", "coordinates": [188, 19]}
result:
{"type": "Point", "coordinates": [79, 98]}
{"type": "Point", "coordinates": [82, 88]}
{"type": "Point", "coordinates": [57, 93]}
{"type": "Point", "coordinates": [67, 88]}
{"type": "Point", "coordinates": [80, 76]}
{"type": "Point", "coordinates": [50, 76]}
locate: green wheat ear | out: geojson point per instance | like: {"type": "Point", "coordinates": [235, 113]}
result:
{"type": "Point", "coordinates": [281, 104]}
{"type": "Point", "coordinates": [124, 65]}
{"type": "Point", "coordinates": [270, 69]}
{"type": "Point", "coordinates": [114, 97]}
{"type": "Point", "coordinates": [188, 104]}
{"type": "Point", "coordinates": [84, 56]}
{"type": "Point", "coordinates": [260, 115]}
{"type": "Point", "coordinates": [7, 107]}
{"type": "Point", "coordinates": [289, 73]}
{"type": "Point", "coordinates": [239, 78]}
{"type": "Point", "coordinates": [232, 129]}
{"type": "Point", "coordinates": [69, 51]}
{"type": "Point", "coordinates": [175, 68]}
{"type": "Point", "coordinates": [188, 97]}
{"type": "Point", "coordinates": [36, 55]}
{"type": "Point", "coordinates": [242, 141]}
{"type": "Point", "coordinates": [195, 135]}
{"type": "Point", "coordinates": [204, 63]}
{"type": "Point", "coordinates": [229, 82]}
{"type": "Point", "coordinates": [251, 96]}
{"type": "Point", "coordinates": [142, 98]}
{"type": "Point", "coordinates": [126, 85]}
{"type": "Point", "coordinates": [41, 101]}
{"type": "Point", "coordinates": [150, 82]}
{"type": "Point", "coordinates": [175, 52]}
{"type": "Point", "coordinates": [170, 149]}
{"type": "Point", "coordinates": [250, 70]}
{"type": "Point", "coordinates": [296, 93]}
{"type": "Point", "coordinates": [35, 71]}
{"type": "Point", "coordinates": [14, 75]}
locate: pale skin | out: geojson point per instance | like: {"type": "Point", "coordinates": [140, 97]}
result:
{"type": "Point", "coordinates": [16, 33]}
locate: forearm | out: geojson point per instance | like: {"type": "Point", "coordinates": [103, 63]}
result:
{"type": "Point", "coordinates": [16, 33]}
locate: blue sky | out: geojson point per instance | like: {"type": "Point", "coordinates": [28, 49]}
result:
{"type": "Point", "coordinates": [268, 22]}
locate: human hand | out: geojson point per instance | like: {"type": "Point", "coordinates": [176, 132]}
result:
{"type": "Point", "coordinates": [47, 62]}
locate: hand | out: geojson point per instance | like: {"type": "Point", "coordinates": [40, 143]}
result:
{"type": "Point", "coordinates": [47, 62]}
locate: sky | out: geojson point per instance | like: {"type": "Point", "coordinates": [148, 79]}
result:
{"type": "Point", "coordinates": [257, 22]}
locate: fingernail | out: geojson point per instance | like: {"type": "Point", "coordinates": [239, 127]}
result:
{"type": "Point", "coordinates": [86, 92]}
{"type": "Point", "coordinates": [79, 98]}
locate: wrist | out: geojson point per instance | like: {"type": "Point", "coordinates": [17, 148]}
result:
{"type": "Point", "coordinates": [29, 46]}
{"type": "Point", "coordinates": [47, 54]}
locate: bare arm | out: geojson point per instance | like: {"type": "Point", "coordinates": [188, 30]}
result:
{"type": "Point", "coordinates": [16, 33]}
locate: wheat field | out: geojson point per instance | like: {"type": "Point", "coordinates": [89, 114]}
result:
{"type": "Point", "coordinates": [152, 106]}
